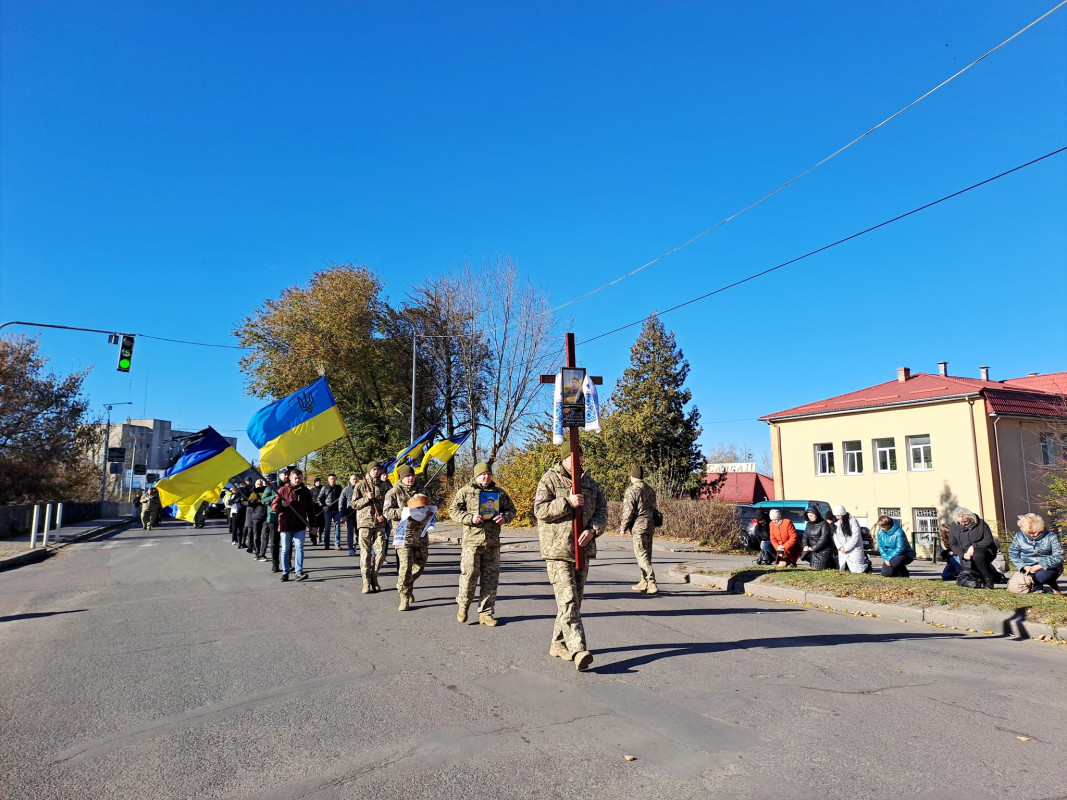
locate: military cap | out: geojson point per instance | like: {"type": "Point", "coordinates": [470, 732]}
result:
{"type": "Point", "coordinates": [373, 465]}
{"type": "Point", "coordinates": [403, 471]}
{"type": "Point", "coordinates": [481, 467]}
{"type": "Point", "coordinates": [637, 472]}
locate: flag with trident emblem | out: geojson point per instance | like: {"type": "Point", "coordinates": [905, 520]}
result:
{"type": "Point", "coordinates": [290, 428]}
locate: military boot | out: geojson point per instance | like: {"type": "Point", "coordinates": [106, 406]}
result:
{"type": "Point", "coordinates": [374, 584]}
{"type": "Point", "coordinates": [558, 650]}
{"type": "Point", "coordinates": [641, 586]}
{"type": "Point", "coordinates": [366, 588]}
{"type": "Point", "coordinates": [404, 603]}
{"type": "Point", "coordinates": [651, 587]}
{"type": "Point", "coordinates": [461, 615]}
{"type": "Point", "coordinates": [487, 619]}
{"type": "Point", "coordinates": [582, 660]}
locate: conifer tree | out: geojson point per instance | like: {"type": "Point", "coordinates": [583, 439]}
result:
{"type": "Point", "coordinates": [652, 425]}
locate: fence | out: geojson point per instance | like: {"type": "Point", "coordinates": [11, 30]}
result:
{"type": "Point", "coordinates": [15, 520]}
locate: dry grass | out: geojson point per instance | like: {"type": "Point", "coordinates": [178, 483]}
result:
{"type": "Point", "coordinates": [707, 523]}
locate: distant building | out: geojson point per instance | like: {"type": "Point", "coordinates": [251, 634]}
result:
{"type": "Point", "coordinates": [919, 446]}
{"type": "Point", "coordinates": [149, 442]}
{"type": "Point", "coordinates": [738, 487]}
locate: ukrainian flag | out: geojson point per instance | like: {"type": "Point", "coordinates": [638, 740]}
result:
{"type": "Point", "coordinates": [290, 428]}
{"type": "Point", "coordinates": [207, 461]}
{"type": "Point", "coordinates": [443, 450]}
{"type": "Point", "coordinates": [409, 453]}
{"type": "Point", "coordinates": [187, 508]}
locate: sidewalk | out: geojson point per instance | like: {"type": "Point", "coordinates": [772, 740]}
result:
{"type": "Point", "coordinates": [16, 551]}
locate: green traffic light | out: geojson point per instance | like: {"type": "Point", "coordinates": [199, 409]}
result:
{"type": "Point", "coordinates": [124, 363]}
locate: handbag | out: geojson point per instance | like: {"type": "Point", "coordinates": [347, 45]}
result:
{"type": "Point", "coordinates": [968, 580]}
{"type": "Point", "coordinates": [1021, 583]}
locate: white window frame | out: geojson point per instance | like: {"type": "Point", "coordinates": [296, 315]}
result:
{"type": "Point", "coordinates": [916, 446]}
{"type": "Point", "coordinates": [824, 459]}
{"type": "Point", "coordinates": [853, 457]}
{"type": "Point", "coordinates": [892, 513]}
{"type": "Point", "coordinates": [890, 450]}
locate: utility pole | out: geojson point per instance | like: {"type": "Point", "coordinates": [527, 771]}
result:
{"type": "Point", "coordinates": [107, 444]}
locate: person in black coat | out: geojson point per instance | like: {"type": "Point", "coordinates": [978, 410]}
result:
{"type": "Point", "coordinates": [819, 540]}
{"type": "Point", "coordinates": [972, 542]}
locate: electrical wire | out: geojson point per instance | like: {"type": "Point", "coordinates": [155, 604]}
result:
{"type": "Point", "coordinates": [203, 344]}
{"type": "Point", "coordinates": [828, 246]}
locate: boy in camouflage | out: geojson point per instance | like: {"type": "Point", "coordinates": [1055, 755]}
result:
{"type": "Point", "coordinates": [415, 550]}
{"type": "Point", "coordinates": [638, 503]}
{"type": "Point", "coordinates": [480, 560]}
{"type": "Point", "coordinates": [555, 508]}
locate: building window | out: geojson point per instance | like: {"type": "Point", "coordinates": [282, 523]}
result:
{"type": "Point", "coordinates": [926, 520]}
{"type": "Point", "coordinates": [892, 513]}
{"type": "Point", "coordinates": [1051, 455]}
{"type": "Point", "coordinates": [853, 458]}
{"type": "Point", "coordinates": [885, 455]}
{"type": "Point", "coordinates": [920, 457]}
{"type": "Point", "coordinates": [824, 459]}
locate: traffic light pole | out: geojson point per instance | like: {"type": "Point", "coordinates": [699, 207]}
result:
{"type": "Point", "coordinates": [107, 444]}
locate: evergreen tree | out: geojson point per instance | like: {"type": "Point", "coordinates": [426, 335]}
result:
{"type": "Point", "coordinates": [651, 424]}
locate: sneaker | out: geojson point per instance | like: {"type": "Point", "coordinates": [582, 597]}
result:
{"type": "Point", "coordinates": [351, 552]}
{"type": "Point", "coordinates": [260, 558]}
{"type": "Point", "coordinates": [582, 660]}
{"type": "Point", "coordinates": [302, 576]}
{"type": "Point", "coordinates": [488, 620]}
{"type": "Point", "coordinates": [285, 576]}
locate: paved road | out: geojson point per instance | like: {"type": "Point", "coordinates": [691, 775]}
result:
{"type": "Point", "coordinates": [170, 665]}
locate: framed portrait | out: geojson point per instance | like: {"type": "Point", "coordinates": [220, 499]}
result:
{"type": "Point", "coordinates": [488, 504]}
{"type": "Point", "coordinates": [573, 397]}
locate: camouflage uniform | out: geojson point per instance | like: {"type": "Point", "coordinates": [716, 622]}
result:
{"type": "Point", "coordinates": [150, 508]}
{"type": "Point", "coordinates": [395, 499]}
{"type": "Point", "coordinates": [480, 560]}
{"type": "Point", "coordinates": [556, 534]}
{"type": "Point", "coordinates": [638, 502]}
{"type": "Point", "coordinates": [412, 557]}
{"type": "Point", "coordinates": [371, 532]}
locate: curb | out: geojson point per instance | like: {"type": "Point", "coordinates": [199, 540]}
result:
{"type": "Point", "coordinates": [1004, 625]}
{"type": "Point", "coordinates": [39, 554]}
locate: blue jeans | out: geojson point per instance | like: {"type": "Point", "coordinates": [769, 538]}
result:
{"type": "Point", "coordinates": [332, 522]}
{"type": "Point", "coordinates": [766, 545]}
{"type": "Point", "coordinates": [1047, 577]}
{"type": "Point", "coordinates": [294, 539]}
{"type": "Point", "coordinates": [952, 568]}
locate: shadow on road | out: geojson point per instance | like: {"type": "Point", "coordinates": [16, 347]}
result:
{"type": "Point", "coordinates": [15, 617]}
{"type": "Point", "coordinates": [704, 648]}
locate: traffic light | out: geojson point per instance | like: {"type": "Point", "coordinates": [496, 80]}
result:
{"type": "Point", "coordinates": [125, 353]}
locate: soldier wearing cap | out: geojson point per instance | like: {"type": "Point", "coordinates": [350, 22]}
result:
{"type": "Point", "coordinates": [555, 508]}
{"type": "Point", "coordinates": [638, 505]}
{"type": "Point", "coordinates": [480, 561]}
{"type": "Point", "coordinates": [368, 499]}
{"type": "Point", "coordinates": [413, 553]}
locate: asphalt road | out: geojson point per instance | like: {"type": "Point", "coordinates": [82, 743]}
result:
{"type": "Point", "coordinates": [171, 665]}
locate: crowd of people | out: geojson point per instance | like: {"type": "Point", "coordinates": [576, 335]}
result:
{"type": "Point", "coordinates": [971, 553]}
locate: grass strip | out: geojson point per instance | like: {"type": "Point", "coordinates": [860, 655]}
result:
{"type": "Point", "coordinates": [1044, 608]}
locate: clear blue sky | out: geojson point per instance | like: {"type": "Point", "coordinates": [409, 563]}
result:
{"type": "Point", "coordinates": [168, 166]}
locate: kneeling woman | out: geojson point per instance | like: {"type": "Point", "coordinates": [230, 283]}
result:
{"type": "Point", "coordinates": [894, 548]}
{"type": "Point", "coordinates": [1037, 552]}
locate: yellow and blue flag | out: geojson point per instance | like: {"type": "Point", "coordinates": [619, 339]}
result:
{"type": "Point", "coordinates": [409, 453]}
{"type": "Point", "coordinates": [443, 450]}
{"type": "Point", "coordinates": [207, 461]}
{"type": "Point", "coordinates": [290, 428]}
{"type": "Point", "coordinates": [186, 509]}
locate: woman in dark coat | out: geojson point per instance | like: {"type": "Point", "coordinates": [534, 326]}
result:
{"type": "Point", "coordinates": [973, 543]}
{"type": "Point", "coordinates": [819, 540]}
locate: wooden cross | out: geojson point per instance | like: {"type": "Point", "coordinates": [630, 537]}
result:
{"type": "Point", "coordinates": [576, 455]}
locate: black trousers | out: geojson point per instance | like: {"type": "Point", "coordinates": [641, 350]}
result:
{"type": "Point", "coordinates": [982, 563]}
{"type": "Point", "coordinates": [275, 545]}
{"type": "Point", "coordinates": [897, 567]}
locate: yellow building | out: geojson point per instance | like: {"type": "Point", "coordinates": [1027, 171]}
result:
{"type": "Point", "coordinates": [917, 447]}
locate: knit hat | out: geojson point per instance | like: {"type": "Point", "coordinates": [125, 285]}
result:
{"type": "Point", "coordinates": [481, 467]}
{"type": "Point", "coordinates": [373, 465]}
{"type": "Point", "coordinates": [637, 472]}
{"type": "Point", "coordinates": [565, 448]}
{"type": "Point", "coordinates": [776, 514]}
{"type": "Point", "coordinates": [839, 511]}
{"type": "Point", "coordinates": [404, 471]}
{"type": "Point", "coordinates": [418, 501]}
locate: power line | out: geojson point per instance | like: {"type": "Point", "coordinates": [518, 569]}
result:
{"type": "Point", "coordinates": [828, 246]}
{"type": "Point", "coordinates": [810, 169]}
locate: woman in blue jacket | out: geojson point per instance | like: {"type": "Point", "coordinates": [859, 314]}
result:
{"type": "Point", "coordinates": [894, 548]}
{"type": "Point", "coordinates": [1037, 552]}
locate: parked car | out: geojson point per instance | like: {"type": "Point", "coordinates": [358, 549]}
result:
{"type": "Point", "coordinates": [794, 511]}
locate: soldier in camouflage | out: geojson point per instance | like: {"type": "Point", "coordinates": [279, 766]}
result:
{"type": "Point", "coordinates": [555, 507]}
{"type": "Point", "coordinates": [480, 561]}
{"type": "Point", "coordinates": [397, 497]}
{"type": "Point", "coordinates": [638, 503]}
{"type": "Point", "coordinates": [368, 499]}
{"type": "Point", "coordinates": [413, 553]}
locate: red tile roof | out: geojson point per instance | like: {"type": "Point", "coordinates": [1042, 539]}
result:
{"type": "Point", "coordinates": [1038, 395]}
{"type": "Point", "coordinates": [741, 487]}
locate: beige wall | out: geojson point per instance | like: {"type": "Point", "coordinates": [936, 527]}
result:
{"type": "Point", "coordinates": [1019, 448]}
{"type": "Point", "coordinates": [952, 481]}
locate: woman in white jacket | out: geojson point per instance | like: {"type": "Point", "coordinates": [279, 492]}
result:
{"type": "Point", "coordinates": [849, 541]}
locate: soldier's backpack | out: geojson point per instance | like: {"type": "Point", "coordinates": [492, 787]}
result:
{"type": "Point", "coordinates": [657, 518]}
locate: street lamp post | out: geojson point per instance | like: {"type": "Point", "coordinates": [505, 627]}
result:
{"type": "Point", "coordinates": [107, 443]}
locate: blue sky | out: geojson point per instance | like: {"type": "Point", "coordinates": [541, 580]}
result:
{"type": "Point", "coordinates": [165, 167]}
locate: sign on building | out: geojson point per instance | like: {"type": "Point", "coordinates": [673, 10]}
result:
{"type": "Point", "coordinates": [733, 466]}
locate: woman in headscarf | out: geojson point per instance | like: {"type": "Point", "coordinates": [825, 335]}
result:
{"type": "Point", "coordinates": [819, 540]}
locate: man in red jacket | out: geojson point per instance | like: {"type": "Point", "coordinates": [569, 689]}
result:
{"type": "Point", "coordinates": [293, 504]}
